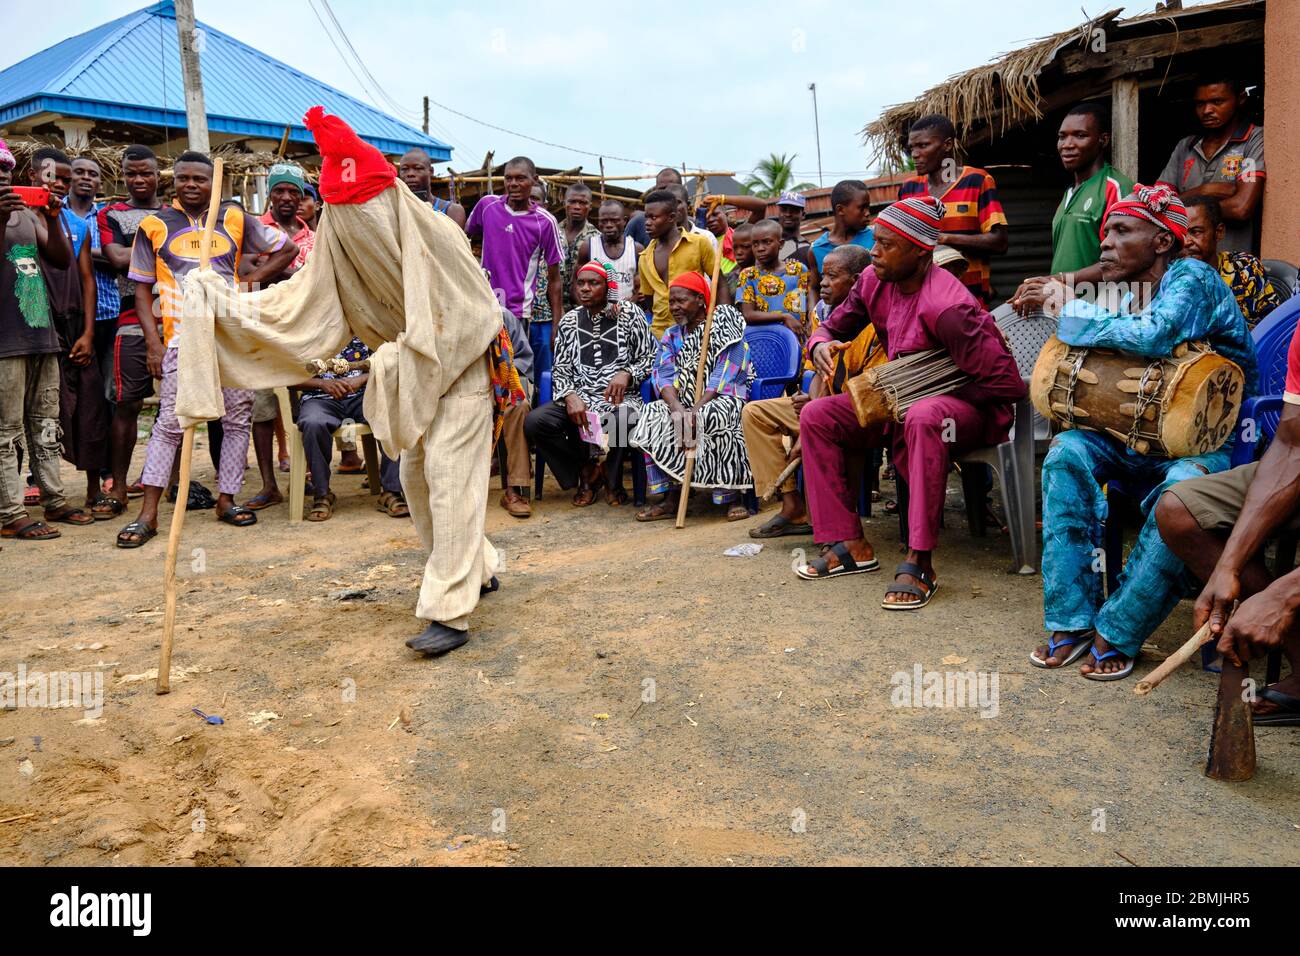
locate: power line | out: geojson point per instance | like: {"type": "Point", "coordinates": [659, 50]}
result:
{"type": "Point", "coordinates": [392, 104]}
{"type": "Point", "coordinates": [534, 139]}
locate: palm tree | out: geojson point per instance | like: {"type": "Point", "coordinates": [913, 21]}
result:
{"type": "Point", "coordinates": [773, 176]}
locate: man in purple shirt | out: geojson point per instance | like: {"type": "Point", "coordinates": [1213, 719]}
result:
{"type": "Point", "coordinates": [914, 306]}
{"type": "Point", "coordinates": [520, 238]}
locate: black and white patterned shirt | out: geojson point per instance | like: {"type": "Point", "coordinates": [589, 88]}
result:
{"type": "Point", "coordinates": [591, 349]}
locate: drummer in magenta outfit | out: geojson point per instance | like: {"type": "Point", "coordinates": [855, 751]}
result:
{"type": "Point", "coordinates": [1167, 301]}
{"type": "Point", "coordinates": [914, 306]}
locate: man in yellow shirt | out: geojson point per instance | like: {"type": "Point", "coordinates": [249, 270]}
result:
{"type": "Point", "coordinates": [671, 253]}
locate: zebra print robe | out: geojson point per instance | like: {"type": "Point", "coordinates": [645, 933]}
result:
{"type": "Point", "coordinates": [720, 458]}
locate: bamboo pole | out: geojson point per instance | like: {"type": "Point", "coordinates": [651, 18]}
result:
{"type": "Point", "coordinates": [187, 461]}
{"type": "Point", "coordinates": [701, 368]}
{"type": "Point", "coordinates": [1174, 661]}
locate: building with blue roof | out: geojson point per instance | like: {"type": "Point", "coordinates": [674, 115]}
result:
{"type": "Point", "coordinates": [121, 83]}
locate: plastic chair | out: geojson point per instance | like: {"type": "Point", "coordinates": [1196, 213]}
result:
{"type": "Point", "coordinates": [1283, 275]}
{"type": "Point", "coordinates": [1014, 461]}
{"type": "Point", "coordinates": [776, 355]}
{"type": "Point", "coordinates": [298, 457]}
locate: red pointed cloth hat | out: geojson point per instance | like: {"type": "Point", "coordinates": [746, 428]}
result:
{"type": "Point", "coordinates": [352, 171]}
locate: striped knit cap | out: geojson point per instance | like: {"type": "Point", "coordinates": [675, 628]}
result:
{"type": "Point", "coordinates": [916, 218]}
{"type": "Point", "coordinates": [1157, 204]}
{"type": "Point", "coordinates": [6, 157]}
{"type": "Point", "coordinates": [605, 271]}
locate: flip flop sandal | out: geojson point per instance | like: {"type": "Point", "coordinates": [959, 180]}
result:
{"type": "Point", "coordinates": [393, 505]}
{"type": "Point", "coordinates": [584, 498]}
{"type": "Point", "coordinates": [656, 513]}
{"type": "Point", "coordinates": [142, 534]}
{"type": "Point", "coordinates": [616, 499]}
{"type": "Point", "coordinates": [235, 514]}
{"type": "Point", "coordinates": [73, 516]}
{"type": "Point", "coordinates": [779, 526]}
{"type": "Point", "coordinates": [135, 491]}
{"type": "Point", "coordinates": [923, 597]}
{"type": "Point", "coordinates": [106, 507]}
{"type": "Point", "coordinates": [1078, 644]}
{"type": "Point", "coordinates": [35, 531]}
{"type": "Point", "coordinates": [819, 568]}
{"type": "Point", "coordinates": [1115, 675]}
{"type": "Point", "coordinates": [322, 509]}
{"type": "Point", "coordinates": [738, 513]}
{"type": "Point", "coordinates": [1288, 716]}
{"type": "Point", "coordinates": [261, 502]}
{"type": "Point", "coordinates": [353, 471]}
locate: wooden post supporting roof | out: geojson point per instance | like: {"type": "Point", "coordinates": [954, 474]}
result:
{"type": "Point", "coordinates": [1124, 126]}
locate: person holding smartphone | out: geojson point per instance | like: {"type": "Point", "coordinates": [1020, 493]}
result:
{"type": "Point", "coordinates": [29, 358]}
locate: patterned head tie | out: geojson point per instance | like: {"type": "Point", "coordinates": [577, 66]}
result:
{"type": "Point", "coordinates": [1156, 204]}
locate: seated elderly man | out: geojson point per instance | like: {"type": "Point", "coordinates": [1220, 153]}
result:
{"type": "Point", "coordinates": [1169, 300]}
{"type": "Point", "coordinates": [915, 305]}
{"type": "Point", "coordinates": [603, 352]}
{"type": "Point", "coordinates": [1243, 272]}
{"type": "Point", "coordinates": [329, 401]}
{"type": "Point", "coordinates": [768, 423]}
{"type": "Point", "coordinates": [1218, 525]}
{"type": "Point", "coordinates": [709, 423]}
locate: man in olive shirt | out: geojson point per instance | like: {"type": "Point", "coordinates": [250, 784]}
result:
{"type": "Point", "coordinates": [1225, 162]}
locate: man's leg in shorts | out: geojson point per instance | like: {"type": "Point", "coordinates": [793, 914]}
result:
{"type": "Point", "coordinates": [1195, 518]}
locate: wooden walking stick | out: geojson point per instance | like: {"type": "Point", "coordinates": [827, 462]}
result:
{"type": "Point", "coordinates": [187, 459]}
{"type": "Point", "coordinates": [701, 369]}
{"type": "Point", "coordinates": [1174, 661]}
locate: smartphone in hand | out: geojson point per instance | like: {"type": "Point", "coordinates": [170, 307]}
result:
{"type": "Point", "coordinates": [36, 197]}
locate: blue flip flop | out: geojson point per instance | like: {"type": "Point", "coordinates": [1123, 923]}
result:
{"type": "Point", "coordinates": [1079, 642]}
{"type": "Point", "coordinates": [1116, 675]}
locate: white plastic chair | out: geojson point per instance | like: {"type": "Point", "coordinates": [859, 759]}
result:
{"type": "Point", "coordinates": [1015, 460]}
{"type": "Point", "coordinates": [298, 457]}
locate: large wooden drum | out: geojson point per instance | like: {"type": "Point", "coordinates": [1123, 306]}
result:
{"type": "Point", "coordinates": [1186, 404]}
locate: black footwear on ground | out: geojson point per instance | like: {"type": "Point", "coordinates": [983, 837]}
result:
{"type": "Point", "coordinates": [438, 639]}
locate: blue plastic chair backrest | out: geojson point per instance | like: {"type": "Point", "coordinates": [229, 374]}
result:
{"type": "Point", "coordinates": [1272, 342]}
{"type": "Point", "coordinates": [775, 352]}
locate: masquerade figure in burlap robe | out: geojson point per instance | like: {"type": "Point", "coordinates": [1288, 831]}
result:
{"type": "Point", "coordinates": [405, 282]}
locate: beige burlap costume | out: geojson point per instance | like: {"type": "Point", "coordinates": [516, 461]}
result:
{"type": "Point", "coordinates": [404, 281]}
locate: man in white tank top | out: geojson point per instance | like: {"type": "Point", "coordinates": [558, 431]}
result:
{"type": "Point", "coordinates": [613, 249]}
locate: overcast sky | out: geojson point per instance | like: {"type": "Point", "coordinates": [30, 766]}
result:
{"type": "Point", "coordinates": [657, 83]}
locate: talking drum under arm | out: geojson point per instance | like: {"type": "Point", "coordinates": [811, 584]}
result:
{"type": "Point", "coordinates": [884, 393]}
{"type": "Point", "coordinates": [1184, 404]}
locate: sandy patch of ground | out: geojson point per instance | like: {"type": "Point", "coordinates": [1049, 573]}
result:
{"type": "Point", "coordinates": [771, 736]}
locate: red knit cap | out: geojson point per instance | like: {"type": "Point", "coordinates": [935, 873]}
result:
{"type": "Point", "coordinates": [352, 171]}
{"type": "Point", "coordinates": [693, 281]}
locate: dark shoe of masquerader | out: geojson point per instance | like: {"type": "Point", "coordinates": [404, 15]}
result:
{"type": "Point", "coordinates": [438, 639]}
{"type": "Point", "coordinates": [491, 586]}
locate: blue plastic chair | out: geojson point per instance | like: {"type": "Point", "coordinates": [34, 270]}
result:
{"type": "Point", "coordinates": [1260, 415]}
{"type": "Point", "coordinates": [776, 355]}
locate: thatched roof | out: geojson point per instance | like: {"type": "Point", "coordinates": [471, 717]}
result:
{"type": "Point", "coordinates": [1005, 94]}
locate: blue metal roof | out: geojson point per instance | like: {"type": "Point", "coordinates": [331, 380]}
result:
{"type": "Point", "coordinates": [114, 73]}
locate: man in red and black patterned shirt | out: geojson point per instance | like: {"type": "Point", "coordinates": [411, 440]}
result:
{"type": "Point", "coordinates": [973, 223]}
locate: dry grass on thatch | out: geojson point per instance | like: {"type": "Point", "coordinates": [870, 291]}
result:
{"type": "Point", "coordinates": [1005, 91]}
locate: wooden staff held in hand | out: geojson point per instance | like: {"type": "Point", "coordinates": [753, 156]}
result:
{"type": "Point", "coordinates": [187, 460]}
{"type": "Point", "coordinates": [701, 372]}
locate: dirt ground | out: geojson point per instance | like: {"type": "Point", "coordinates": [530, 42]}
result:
{"type": "Point", "coordinates": [630, 696]}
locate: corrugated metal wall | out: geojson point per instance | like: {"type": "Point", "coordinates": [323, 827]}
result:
{"type": "Point", "coordinates": [1029, 201]}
